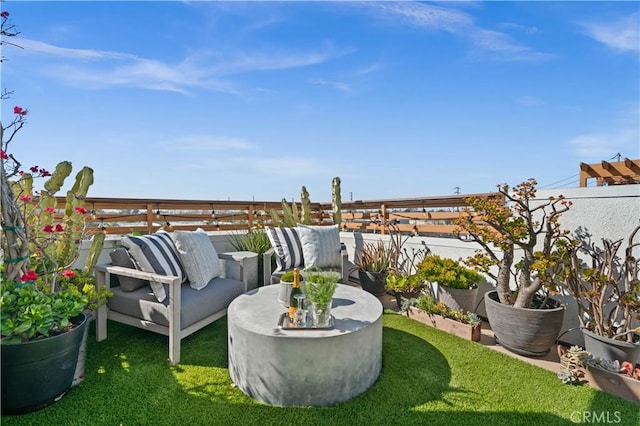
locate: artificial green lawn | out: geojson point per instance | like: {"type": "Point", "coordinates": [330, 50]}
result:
{"type": "Point", "coordinates": [428, 378]}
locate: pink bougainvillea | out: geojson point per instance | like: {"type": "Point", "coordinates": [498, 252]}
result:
{"type": "Point", "coordinates": [68, 273]}
{"type": "Point", "coordinates": [30, 275]}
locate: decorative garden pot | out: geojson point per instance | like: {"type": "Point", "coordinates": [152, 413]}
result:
{"type": "Point", "coordinates": [38, 373]}
{"type": "Point", "coordinates": [610, 349]}
{"type": "Point", "coordinates": [528, 332]}
{"type": "Point", "coordinates": [373, 282]}
{"type": "Point", "coordinates": [458, 298]}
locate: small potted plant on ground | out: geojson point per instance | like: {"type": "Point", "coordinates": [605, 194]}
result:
{"type": "Point", "coordinates": [524, 320]}
{"type": "Point", "coordinates": [404, 286]}
{"type": "Point", "coordinates": [607, 293]}
{"type": "Point", "coordinates": [319, 289]}
{"type": "Point", "coordinates": [451, 281]}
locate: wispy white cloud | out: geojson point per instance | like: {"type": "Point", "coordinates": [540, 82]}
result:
{"type": "Point", "coordinates": [343, 87]}
{"type": "Point", "coordinates": [529, 101]}
{"type": "Point", "coordinates": [622, 34]}
{"type": "Point", "coordinates": [602, 146]}
{"type": "Point", "coordinates": [209, 143]}
{"type": "Point", "coordinates": [97, 69]}
{"type": "Point", "coordinates": [499, 44]}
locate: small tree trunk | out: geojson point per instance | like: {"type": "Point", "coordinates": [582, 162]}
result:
{"type": "Point", "coordinates": [503, 277]}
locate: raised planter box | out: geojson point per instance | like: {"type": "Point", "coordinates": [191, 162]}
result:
{"type": "Point", "coordinates": [456, 328]}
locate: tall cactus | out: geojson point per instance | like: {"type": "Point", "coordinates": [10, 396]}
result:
{"type": "Point", "coordinates": [94, 253]}
{"type": "Point", "coordinates": [336, 201]}
{"type": "Point", "coordinates": [58, 242]}
{"type": "Point", "coordinates": [305, 217]}
{"type": "Point", "coordinates": [73, 220]}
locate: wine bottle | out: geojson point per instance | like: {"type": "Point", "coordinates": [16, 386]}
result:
{"type": "Point", "coordinates": [295, 290]}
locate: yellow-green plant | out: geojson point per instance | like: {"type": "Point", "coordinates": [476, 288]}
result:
{"type": "Point", "coordinates": [447, 272]}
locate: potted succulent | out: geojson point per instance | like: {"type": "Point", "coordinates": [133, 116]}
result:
{"type": "Point", "coordinates": [606, 290]}
{"type": "Point", "coordinates": [373, 262]}
{"type": "Point", "coordinates": [453, 283]}
{"type": "Point", "coordinates": [404, 286]}
{"type": "Point", "coordinates": [524, 319]}
{"type": "Point", "coordinates": [319, 289]}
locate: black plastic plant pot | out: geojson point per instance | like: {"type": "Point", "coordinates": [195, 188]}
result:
{"type": "Point", "coordinates": [38, 373]}
{"type": "Point", "coordinates": [373, 282]}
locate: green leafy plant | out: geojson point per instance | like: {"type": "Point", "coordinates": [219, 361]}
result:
{"type": "Point", "coordinates": [448, 272]}
{"type": "Point", "coordinates": [30, 310]}
{"type": "Point", "coordinates": [398, 282]}
{"type": "Point", "coordinates": [255, 240]}
{"type": "Point", "coordinates": [320, 286]}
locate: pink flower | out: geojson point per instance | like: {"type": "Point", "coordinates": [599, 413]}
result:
{"type": "Point", "coordinates": [25, 198]}
{"type": "Point", "coordinates": [48, 228]}
{"type": "Point", "coordinates": [50, 210]}
{"type": "Point", "coordinates": [29, 276]}
{"type": "Point", "coordinates": [59, 228]}
{"type": "Point", "coordinates": [3, 155]}
{"type": "Point", "coordinates": [4, 14]}
{"type": "Point", "coordinates": [81, 210]}
{"type": "Point", "coordinates": [68, 273]}
{"type": "Point", "coordinates": [19, 110]}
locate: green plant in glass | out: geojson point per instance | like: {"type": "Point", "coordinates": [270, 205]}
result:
{"type": "Point", "coordinates": [320, 286]}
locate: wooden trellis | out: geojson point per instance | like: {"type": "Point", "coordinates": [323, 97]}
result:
{"type": "Point", "coordinates": [611, 173]}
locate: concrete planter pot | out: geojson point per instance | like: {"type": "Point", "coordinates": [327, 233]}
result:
{"type": "Point", "coordinates": [464, 331]}
{"type": "Point", "coordinates": [527, 332]}
{"type": "Point", "coordinates": [458, 298]}
{"type": "Point", "coordinates": [610, 349]}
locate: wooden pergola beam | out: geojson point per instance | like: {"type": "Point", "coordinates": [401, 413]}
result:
{"type": "Point", "coordinates": [625, 171]}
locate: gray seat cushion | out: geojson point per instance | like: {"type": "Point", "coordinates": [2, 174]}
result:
{"type": "Point", "coordinates": [196, 304]}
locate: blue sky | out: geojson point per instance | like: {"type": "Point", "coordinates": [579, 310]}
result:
{"type": "Point", "coordinates": [241, 101]}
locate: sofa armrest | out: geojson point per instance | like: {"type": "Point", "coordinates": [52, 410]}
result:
{"type": "Point", "coordinates": [242, 265]}
{"type": "Point", "coordinates": [344, 264]}
{"type": "Point", "coordinates": [134, 273]}
{"type": "Point", "coordinates": [266, 266]}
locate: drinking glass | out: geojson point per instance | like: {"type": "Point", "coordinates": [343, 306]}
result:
{"type": "Point", "coordinates": [300, 314]}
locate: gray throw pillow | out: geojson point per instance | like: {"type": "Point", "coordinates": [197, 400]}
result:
{"type": "Point", "coordinates": [320, 245]}
{"type": "Point", "coordinates": [120, 257]}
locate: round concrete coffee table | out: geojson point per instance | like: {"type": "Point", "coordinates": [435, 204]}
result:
{"type": "Point", "coordinates": [304, 367]}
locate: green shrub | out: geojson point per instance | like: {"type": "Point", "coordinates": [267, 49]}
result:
{"type": "Point", "coordinates": [447, 272]}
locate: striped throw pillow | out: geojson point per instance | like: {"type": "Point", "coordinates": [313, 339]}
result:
{"type": "Point", "coordinates": [155, 253]}
{"type": "Point", "coordinates": [320, 245]}
{"type": "Point", "coordinates": [286, 243]}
